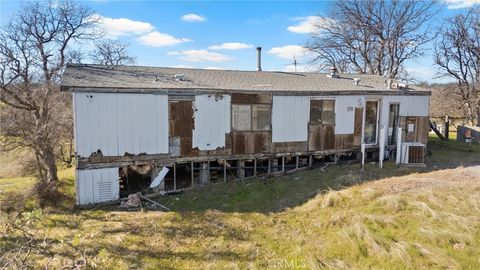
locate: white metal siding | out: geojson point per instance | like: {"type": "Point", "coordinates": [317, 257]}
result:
{"type": "Point", "coordinates": [409, 106]}
{"type": "Point", "coordinates": [289, 118]}
{"type": "Point", "coordinates": [117, 123]}
{"type": "Point", "coordinates": [97, 185]}
{"type": "Point", "coordinates": [212, 121]}
{"type": "Point", "coordinates": [345, 113]}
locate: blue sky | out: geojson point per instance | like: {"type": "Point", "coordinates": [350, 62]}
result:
{"type": "Point", "coordinates": [222, 34]}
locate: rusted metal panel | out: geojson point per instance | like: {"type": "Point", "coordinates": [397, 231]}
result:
{"type": "Point", "coordinates": [181, 124]}
{"type": "Point", "coordinates": [250, 142]}
{"type": "Point", "coordinates": [238, 143]}
{"type": "Point", "coordinates": [343, 141]}
{"type": "Point", "coordinates": [251, 98]}
{"type": "Point", "coordinates": [289, 147]}
{"type": "Point", "coordinates": [357, 128]}
{"type": "Point", "coordinates": [261, 142]}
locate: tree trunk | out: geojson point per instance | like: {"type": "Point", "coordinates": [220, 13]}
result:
{"type": "Point", "coordinates": [48, 159]}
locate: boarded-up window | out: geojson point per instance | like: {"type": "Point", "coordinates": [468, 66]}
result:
{"type": "Point", "coordinates": [241, 117]}
{"type": "Point", "coordinates": [322, 112]}
{"type": "Point", "coordinates": [250, 117]}
{"type": "Point", "coordinates": [260, 117]}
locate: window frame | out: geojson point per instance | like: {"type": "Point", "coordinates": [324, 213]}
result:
{"type": "Point", "coordinates": [322, 121]}
{"type": "Point", "coordinates": [253, 124]}
{"type": "Point", "coordinates": [376, 121]}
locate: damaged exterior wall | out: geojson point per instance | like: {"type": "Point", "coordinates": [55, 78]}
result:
{"type": "Point", "coordinates": [212, 121]}
{"type": "Point", "coordinates": [416, 106]}
{"type": "Point", "coordinates": [119, 123]}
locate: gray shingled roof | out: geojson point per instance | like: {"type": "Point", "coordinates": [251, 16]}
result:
{"type": "Point", "coordinates": [145, 78]}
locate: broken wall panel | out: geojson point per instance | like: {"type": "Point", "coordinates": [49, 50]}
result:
{"type": "Point", "coordinates": [211, 121]}
{"type": "Point", "coordinates": [123, 123]}
{"type": "Point", "coordinates": [181, 125]}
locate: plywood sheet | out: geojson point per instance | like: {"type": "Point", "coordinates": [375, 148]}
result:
{"type": "Point", "coordinates": [250, 142]}
{"type": "Point", "coordinates": [181, 125]}
{"type": "Point", "coordinates": [289, 147]}
{"type": "Point", "coordinates": [343, 141]}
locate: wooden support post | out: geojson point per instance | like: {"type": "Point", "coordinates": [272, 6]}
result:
{"type": "Point", "coordinates": [255, 167]}
{"type": "Point", "coordinates": [193, 177]}
{"type": "Point", "coordinates": [174, 176]}
{"type": "Point", "coordinates": [296, 162]}
{"type": "Point", "coordinates": [283, 163]}
{"type": "Point", "coordinates": [310, 161]}
{"type": "Point", "coordinates": [225, 170]}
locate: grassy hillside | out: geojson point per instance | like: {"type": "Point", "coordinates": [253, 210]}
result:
{"type": "Point", "coordinates": [337, 218]}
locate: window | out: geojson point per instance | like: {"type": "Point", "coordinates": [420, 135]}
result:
{"type": "Point", "coordinates": [254, 117]}
{"type": "Point", "coordinates": [322, 112]}
{"type": "Point", "coordinates": [371, 114]}
{"type": "Point", "coordinates": [260, 117]}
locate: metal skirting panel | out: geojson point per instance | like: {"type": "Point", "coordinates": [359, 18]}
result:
{"type": "Point", "coordinates": [97, 185]}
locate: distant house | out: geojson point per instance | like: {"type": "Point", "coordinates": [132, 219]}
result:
{"type": "Point", "coordinates": [217, 125]}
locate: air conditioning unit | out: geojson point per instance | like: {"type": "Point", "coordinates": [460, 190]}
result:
{"type": "Point", "coordinates": [412, 153]}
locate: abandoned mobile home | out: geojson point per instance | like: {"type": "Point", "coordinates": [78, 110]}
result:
{"type": "Point", "coordinates": [193, 127]}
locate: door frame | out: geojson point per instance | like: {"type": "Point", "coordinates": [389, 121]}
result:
{"type": "Point", "coordinates": [378, 100]}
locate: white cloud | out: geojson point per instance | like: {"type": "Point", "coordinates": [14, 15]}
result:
{"type": "Point", "coordinates": [157, 39]}
{"type": "Point", "coordinates": [114, 28]}
{"type": "Point", "coordinates": [457, 4]}
{"type": "Point", "coordinates": [288, 52]}
{"type": "Point", "coordinates": [192, 17]}
{"type": "Point", "coordinates": [200, 56]}
{"type": "Point", "coordinates": [231, 46]}
{"type": "Point", "coordinates": [306, 25]}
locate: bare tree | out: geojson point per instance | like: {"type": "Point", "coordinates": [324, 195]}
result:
{"type": "Point", "coordinates": [372, 37]}
{"type": "Point", "coordinates": [457, 54]}
{"type": "Point", "coordinates": [111, 53]}
{"type": "Point", "coordinates": [34, 49]}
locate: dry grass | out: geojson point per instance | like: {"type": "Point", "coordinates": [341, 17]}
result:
{"type": "Point", "coordinates": [338, 219]}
